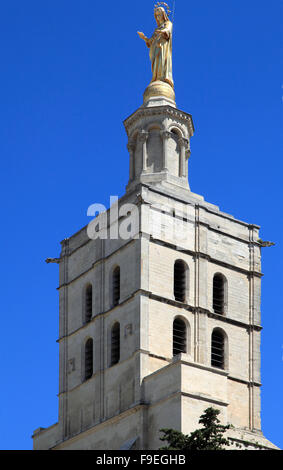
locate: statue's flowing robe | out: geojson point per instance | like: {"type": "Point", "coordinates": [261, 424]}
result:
{"type": "Point", "coordinates": [161, 54]}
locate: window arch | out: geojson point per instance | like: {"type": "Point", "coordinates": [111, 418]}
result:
{"type": "Point", "coordinates": [218, 349]}
{"type": "Point", "coordinates": [179, 337]}
{"type": "Point", "coordinates": [180, 281]}
{"type": "Point", "coordinates": [88, 304]}
{"type": "Point", "coordinates": [219, 294]}
{"type": "Point", "coordinates": [116, 286]}
{"type": "Point", "coordinates": [115, 344]}
{"type": "Point", "coordinates": [89, 359]}
{"type": "Point", "coordinates": [176, 132]}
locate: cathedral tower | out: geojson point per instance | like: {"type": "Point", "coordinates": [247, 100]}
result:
{"type": "Point", "coordinates": [158, 326]}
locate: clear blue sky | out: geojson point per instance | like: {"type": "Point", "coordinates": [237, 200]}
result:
{"type": "Point", "coordinates": [71, 71]}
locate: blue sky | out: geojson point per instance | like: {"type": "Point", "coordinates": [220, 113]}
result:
{"type": "Point", "coordinates": [71, 72]}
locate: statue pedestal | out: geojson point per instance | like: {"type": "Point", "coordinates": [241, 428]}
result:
{"type": "Point", "coordinates": [157, 92]}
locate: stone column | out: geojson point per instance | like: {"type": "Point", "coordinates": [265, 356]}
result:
{"type": "Point", "coordinates": [184, 155]}
{"type": "Point", "coordinates": [143, 136]}
{"type": "Point", "coordinates": [188, 154]}
{"type": "Point", "coordinates": [181, 143]}
{"type": "Point", "coordinates": [165, 136]}
{"type": "Point", "coordinates": [131, 149]}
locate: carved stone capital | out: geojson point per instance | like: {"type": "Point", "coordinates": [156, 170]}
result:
{"type": "Point", "coordinates": [143, 136]}
{"type": "Point", "coordinates": [131, 147]}
{"type": "Point", "coordinates": [188, 153]}
{"type": "Point", "coordinates": [183, 142]}
{"type": "Point", "coordinates": [165, 135]}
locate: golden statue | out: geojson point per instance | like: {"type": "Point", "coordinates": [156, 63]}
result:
{"type": "Point", "coordinates": [160, 52]}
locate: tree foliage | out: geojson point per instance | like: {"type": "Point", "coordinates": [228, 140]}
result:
{"type": "Point", "coordinates": [209, 437]}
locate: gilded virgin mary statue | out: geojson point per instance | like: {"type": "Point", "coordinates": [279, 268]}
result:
{"type": "Point", "coordinates": [160, 53]}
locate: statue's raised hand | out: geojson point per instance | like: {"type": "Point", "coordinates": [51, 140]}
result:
{"type": "Point", "coordinates": [142, 36]}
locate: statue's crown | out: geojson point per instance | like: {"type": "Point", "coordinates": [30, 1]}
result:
{"type": "Point", "coordinates": [164, 5]}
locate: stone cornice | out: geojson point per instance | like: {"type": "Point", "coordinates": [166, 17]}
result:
{"type": "Point", "coordinates": [167, 111]}
{"type": "Point", "coordinates": [98, 315]}
{"type": "Point", "coordinates": [183, 361]}
{"type": "Point", "coordinates": [201, 310]}
{"type": "Point", "coordinates": [171, 362]}
{"type": "Point", "coordinates": [231, 320]}
{"type": "Point", "coordinates": [95, 263]}
{"type": "Point", "coordinates": [163, 243]}
{"type": "Point", "coordinates": [209, 258]}
{"type": "Point", "coordinates": [243, 381]}
{"type": "Point", "coordinates": [195, 396]}
{"type": "Point", "coordinates": [139, 188]}
{"type": "Point", "coordinates": [203, 205]}
{"type": "Point", "coordinates": [112, 420]}
{"type": "Point", "coordinates": [174, 303]}
{"type": "Point", "coordinates": [204, 311]}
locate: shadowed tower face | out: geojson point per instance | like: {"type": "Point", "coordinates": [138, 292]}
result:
{"type": "Point", "coordinates": [157, 327]}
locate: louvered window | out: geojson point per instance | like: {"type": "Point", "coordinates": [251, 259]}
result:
{"type": "Point", "coordinates": [115, 344]}
{"type": "Point", "coordinates": [217, 349]}
{"type": "Point", "coordinates": [116, 286]}
{"type": "Point", "coordinates": [88, 359]}
{"type": "Point", "coordinates": [218, 294]}
{"type": "Point", "coordinates": [180, 281]}
{"type": "Point", "coordinates": [179, 337]}
{"type": "Point", "coordinates": [88, 304]}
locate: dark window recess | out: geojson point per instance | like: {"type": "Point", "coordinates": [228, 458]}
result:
{"type": "Point", "coordinates": [88, 359]}
{"type": "Point", "coordinates": [218, 294]}
{"type": "Point", "coordinates": [116, 286]}
{"type": "Point", "coordinates": [179, 337]}
{"type": "Point", "coordinates": [180, 281]}
{"type": "Point", "coordinates": [115, 344]}
{"type": "Point", "coordinates": [88, 304]}
{"type": "Point", "coordinates": [217, 350]}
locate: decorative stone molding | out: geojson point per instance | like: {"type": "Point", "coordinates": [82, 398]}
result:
{"type": "Point", "coordinates": [166, 111]}
{"type": "Point", "coordinates": [143, 136]}
{"type": "Point", "coordinates": [165, 135]}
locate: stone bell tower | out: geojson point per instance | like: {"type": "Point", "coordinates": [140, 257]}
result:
{"type": "Point", "coordinates": [159, 145]}
{"type": "Point", "coordinates": [158, 327]}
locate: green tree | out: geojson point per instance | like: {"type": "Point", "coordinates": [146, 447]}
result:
{"type": "Point", "coordinates": [209, 437]}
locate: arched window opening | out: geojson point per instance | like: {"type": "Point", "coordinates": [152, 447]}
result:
{"type": "Point", "coordinates": [88, 359]}
{"type": "Point", "coordinates": [180, 281]}
{"type": "Point", "coordinates": [179, 337]}
{"type": "Point", "coordinates": [115, 344]}
{"type": "Point", "coordinates": [116, 286]}
{"type": "Point", "coordinates": [218, 349]}
{"type": "Point", "coordinates": [219, 294]}
{"type": "Point", "coordinates": [88, 304]}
